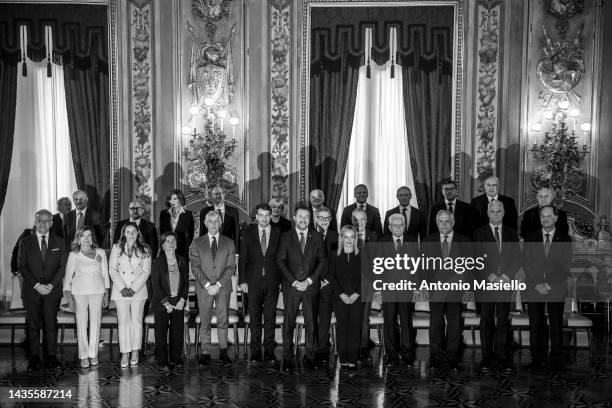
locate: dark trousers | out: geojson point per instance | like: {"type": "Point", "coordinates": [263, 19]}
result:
{"type": "Point", "coordinates": [172, 323]}
{"type": "Point", "coordinates": [262, 301]}
{"type": "Point", "coordinates": [324, 311]}
{"type": "Point", "coordinates": [494, 336]}
{"type": "Point", "coordinates": [348, 324]}
{"type": "Point", "coordinates": [292, 299]}
{"type": "Point", "coordinates": [441, 332]}
{"type": "Point", "coordinates": [398, 339]}
{"type": "Point", "coordinates": [41, 311]}
{"type": "Point", "coordinates": [538, 333]}
{"type": "Point", "coordinates": [365, 326]}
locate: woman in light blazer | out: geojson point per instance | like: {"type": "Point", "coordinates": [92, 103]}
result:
{"type": "Point", "coordinates": [130, 267]}
{"type": "Point", "coordinates": [86, 284]}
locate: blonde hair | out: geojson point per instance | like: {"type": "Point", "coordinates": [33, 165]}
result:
{"type": "Point", "coordinates": [341, 239]}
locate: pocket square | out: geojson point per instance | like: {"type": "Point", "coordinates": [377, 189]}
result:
{"type": "Point", "coordinates": [55, 249]}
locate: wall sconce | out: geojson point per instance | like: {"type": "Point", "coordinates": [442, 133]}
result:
{"type": "Point", "coordinates": [234, 122]}
{"type": "Point", "coordinates": [536, 127]}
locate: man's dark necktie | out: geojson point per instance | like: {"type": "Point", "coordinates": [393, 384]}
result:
{"type": "Point", "coordinates": [213, 248]}
{"type": "Point", "coordinates": [398, 244]}
{"type": "Point", "coordinates": [445, 247]}
{"type": "Point", "coordinates": [264, 248]}
{"type": "Point", "coordinates": [360, 241]}
{"type": "Point", "coordinates": [497, 239]}
{"type": "Point", "coordinates": [302, 242]}
{"type": "Point", "coordinates": [547, 245]}
{"type": "Point", "coordinates": [80, 221]}
{"type": "Point", "coordinates": [43, 247]}
{"type": "Point", "coordinates": [404, 215]}
{"type": "Point", "coordinates": [450, 207]}
{"type": "Point", "coordinates": [220, 215]}
{"type": "Point", "coordinates": [362, 207]}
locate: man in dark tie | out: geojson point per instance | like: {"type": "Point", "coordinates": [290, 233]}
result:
{"type": "Point", "coordinates": [481, 203]}
{"type": "Point", "coordinates": [59, 220]}
{"type": "Point", "coordinates": [416, 222]}
{"type": "Point", "coordinates": [531, 218]}
{"type": "Point", "coordinates": [400, 304]}
{"type": "Point", "coordinates": [146, 228]}
{"type": "Point", "coordinates": [260, 277]}
{"type": "Point", "coordinates": [278, 220]}
{"type": "Point", "coordinates": [317, 201]}
{"type": "Point", "coordinates": [465, 216]}
{"type": "Point", "coordinates": [325, 304]}
{"type": "Point", "coordinates": [445, 329]}
{"type": "Point", "coordinates": [547, 261]}
{"type": "Point", "coordinates": [42, 263]}
{"type": "Point", "coordinates": [301, 257]}
{"type": "Point", "coordinates": [230, 218]}
{"type": "Point", "coordinates": [81, 216]}
{"type": "Point", "coordinates": [361, 198]}
{"type": "Point", "coordinates": [500, 243]}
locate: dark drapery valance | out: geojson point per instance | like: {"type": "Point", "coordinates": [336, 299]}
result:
{"type": "Point", "coordinates": [425, 37]}
{"type": "Point", "coordinates": [79, 33]}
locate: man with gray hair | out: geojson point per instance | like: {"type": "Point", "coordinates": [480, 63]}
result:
{"type": "Point", "coordinates": [531, 218]}
{"type": "Point", "coordinates": [278, 220]}
{"type": "Point", "coordinates": [59, 220]}
{"type": "Point", "coordinates": [229, 216]}
{"type": "Point", "coordinates": [82, 216]}
{"type": "Point", "coordinates": [491, 192]}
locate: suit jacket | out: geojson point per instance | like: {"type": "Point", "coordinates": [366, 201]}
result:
{"type": "Point", "coordinates": [148, 231]}
{"type": "Point", "coordinates": [231, 223]}
{"type": "Point", "coordinates": [15, 253]}
{"type": "Point", "coordinates": [506, 263]}
{"type": "Point", "coordinates": [345, 273]}
{"type": "Point", "coordinates": [160, 281]}
{"type": "Point", "coordinates": [59, 226]}
{"type": "Point", "coordinates": [92, 219]}
{"type": "Point", "coordinates": [531, 221]}
{"type": "Point", "coordinates": [296, 266]}
{"type": "Point", "coordinates": [283, 224]}
{"type": "Point", "coordinates": [205, 269]}
{"type": "Point", "coordinates": [184, 230]}
{"type": "Point", "coordinates": [431, 247]}
{"type": "Point", "coordinates": [466, 218]}
{"type": "Point", "coordinates": [256, 269]}
{"type": "Point", "coordinates": [481, 203]}
{"type": "Point", "coordinates": [34, 270]}
{"type": "Point", "coordinates": [409, 247]}
{"type": "Point", "coordinates": [552, 270]}
{"type": "Point", "coordinates": [373, 214]}
{"type": "Point", "coordinates": [333, 223]}
{"type": "Point", "coordinates": [417, 225]}
{"type": "Point", "coordinates": [129, 273]}
{"type": "Point", "coordinates": [330, 240]}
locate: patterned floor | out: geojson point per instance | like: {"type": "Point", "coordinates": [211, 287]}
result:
{"type": "Point", "coordinates": [585, 383]}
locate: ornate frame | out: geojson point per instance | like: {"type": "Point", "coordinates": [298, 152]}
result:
{"type": "Point", "coordinates": [458, 78]}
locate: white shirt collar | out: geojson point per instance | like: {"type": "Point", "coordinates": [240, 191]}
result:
{"type": "Point", "coordinates": [299, 231]}
{"type": "Point", "coordinates": [450, 202]}
{"type": "Point", "coordinates": [137, 222]}
{"type": "Point", "coordinates": [210, 237]}
{"type": "Point", "coordinates": [39, 235]}
{"type": "Point", "coordinates": [550, 234]}
{"type": "Point", "coordinates": [401, 238]}
{"type": "Point", "coordinates": [495, 226]}
{"type": "Point", "coordinates": [220, 207]}
{"type": "Point", "coordinates": [496, 197]}
{"type": "Point", "coordinates": [450, 236]}
{"type": "Point", "coordinates": [267, 229]}
{"type": "Point", "coordinates": [365, 205]}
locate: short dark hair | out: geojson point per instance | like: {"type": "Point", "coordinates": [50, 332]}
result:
{"type": "Point", "coordinates": [263, 206]}
{"type": "Point", "coordinates": [301, 205]}
{"type": "Point", "coordinates": [179, 195]}
{"type": "Point", "coordinates": [360, 185]}
{"type": "Point", "coordinates": [555, 211]}
{"type": "Point", "coordinates": [163, 238]}
{"type": "Point", "coordinates": [448, 181]}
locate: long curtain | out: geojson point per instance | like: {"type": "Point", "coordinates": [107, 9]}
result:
{"type": "Point", "coordinates": [41, 169]}
{"type": "Point", "coordinates": [378, 153]}
{"type": "Point", "coordinates": [428, 105]}
{"type": "Point", "coordinates": [8, 90]}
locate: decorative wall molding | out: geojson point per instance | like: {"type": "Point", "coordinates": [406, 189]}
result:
{"type": "Point", "coordinates": [487, 90]}
{"type": "Point", "coordinates": [280, 76]}
{"type": "Point", "coordinates": [141, 110]}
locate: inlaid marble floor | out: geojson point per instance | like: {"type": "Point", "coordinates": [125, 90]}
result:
{"type": "Point", "coordinates": [585, 383]}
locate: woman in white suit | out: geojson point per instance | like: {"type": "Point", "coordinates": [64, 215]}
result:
{"type": "Point", "coordinates": [130, 267]}
{"type": "Point", "coordinates": [87, 281]}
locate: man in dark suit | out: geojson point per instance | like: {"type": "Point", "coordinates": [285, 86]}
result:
{"type": "Point", "coordinates": [59, 220]}
{"type": "Point", "coordinates": [502, 262]}
{"type": "Point", "coordinates": [548, 256]}
{"type": "Point", "coordinates": [445, 306]}
{"type": "Point", "coordinates": [230, 218]}
{"type": "Point", "coordinates": [301, 257]}
{"type": "Point", "coordinates": [325, 305]}
{"type": "Point", "coordinates": [259, 277]}
{"type": "Point", "coordinates": [277, 220]}
{"type": "Point", "coordinates": [401, 304]}
{"type": "Point", "coordinates": [212, 257]}
{"type": "Point", "coordinates": [42, 263]}
{"type": "Point", "coordinates": [361, 198]}
{"type": "Point", "coordinates": [317, 200]}
{"type": "Point", "coordinates": [465, 216]}
{"type": "Point", "coordinates": [416, 221]}
{"type": "Point", "coordinates": [147, 228]}
{"type": "Point", "coordinates": [81, 216]}
{"type": "Point", "coordinates": [481, 203]}
{"type": "Point", "coordinates": [531, 218]}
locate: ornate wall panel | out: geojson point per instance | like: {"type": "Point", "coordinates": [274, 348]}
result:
{"type": "Point", "coordinates": [280, 76]}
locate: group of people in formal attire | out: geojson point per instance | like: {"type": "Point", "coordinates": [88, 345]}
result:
{"type": "Point", "coordinates": [314, 261]}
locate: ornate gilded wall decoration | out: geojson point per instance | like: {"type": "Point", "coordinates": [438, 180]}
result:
{"type": "Point", "coordinates": [280, 43]}
{"type": "Point", "coordinates": [488, 79]}
{"type": "Point", "coordinates": [141, 110]}
{"type": "Point", "coordinates": [211, 11]}
{"type": "Point", "coordinates": [563, 10]}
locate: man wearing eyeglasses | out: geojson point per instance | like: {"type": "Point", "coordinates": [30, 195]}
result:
{"type": "Point", "coordinates": [317, 200]}
{"type": "Point", "coordinates": [147, 228]}
{"type": "Point", "coordinates": [465, 215]}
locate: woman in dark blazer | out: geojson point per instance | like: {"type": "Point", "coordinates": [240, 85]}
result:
{"type": "Point", "coordinates": [178, 220]}
{"type": "Point", "coordinates": [344, 271]}
{"type": "Point", "coordinates": [170, 281]}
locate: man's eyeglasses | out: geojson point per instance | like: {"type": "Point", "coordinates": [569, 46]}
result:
{"type": "Point", "coordinates": [135, 208]}
{"type": "Point", "coordinates": [324, 218]}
